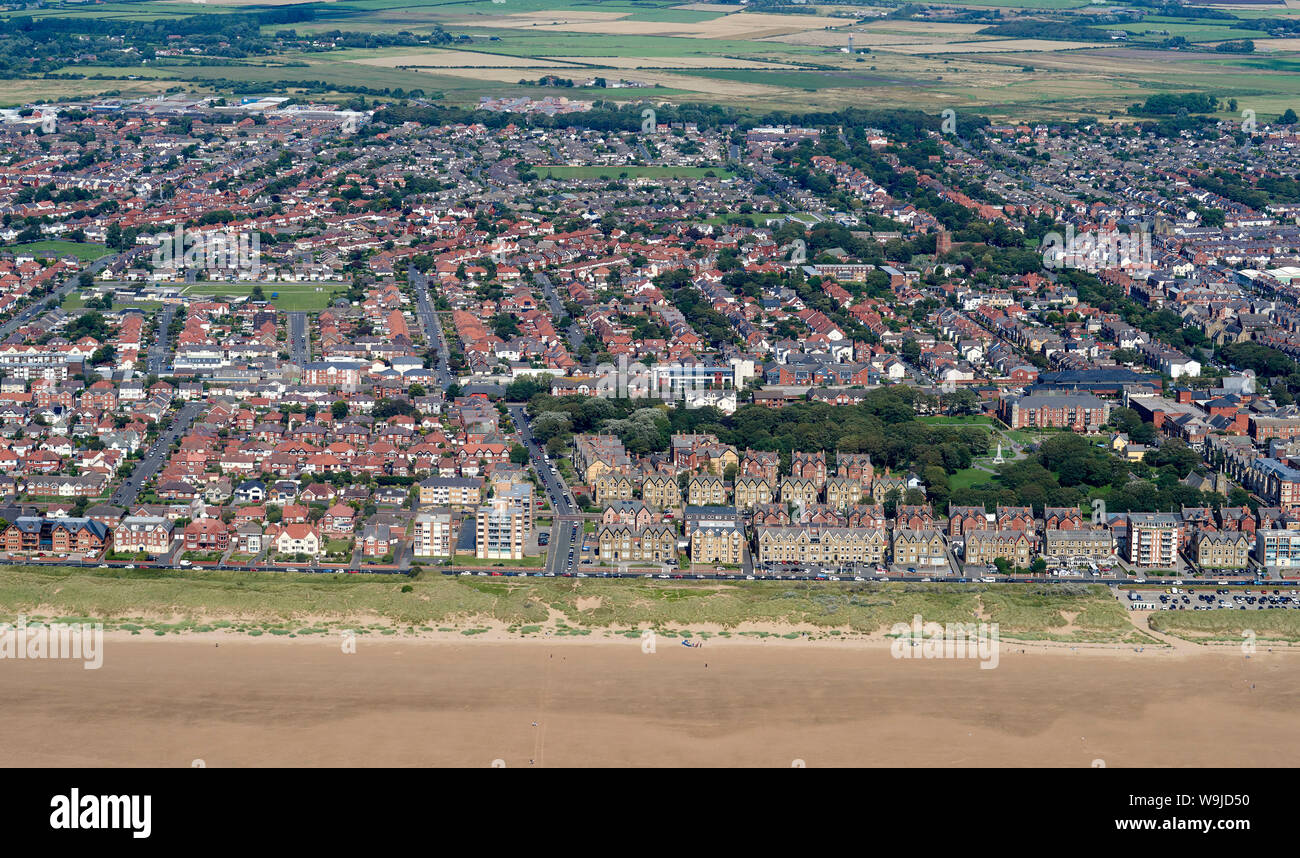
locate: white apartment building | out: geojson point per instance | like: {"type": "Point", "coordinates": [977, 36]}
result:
{"type": "Point", "coordinates": [432, 534]}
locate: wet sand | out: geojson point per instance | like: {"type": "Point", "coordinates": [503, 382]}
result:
{"type": "Point", "coordinates": [168, 702]}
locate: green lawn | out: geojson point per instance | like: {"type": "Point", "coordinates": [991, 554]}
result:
{"type": "Point", "coordinates": [289, 296]}
{"type": "Point", "coordinates": [968, 477]}
{"type": "Point", "coordinates": [83, 250]}
{"type": "Point", "coordinates": [471, 560]}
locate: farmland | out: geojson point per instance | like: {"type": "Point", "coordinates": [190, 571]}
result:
{"type": "Point", "coordinates": [723, 53]}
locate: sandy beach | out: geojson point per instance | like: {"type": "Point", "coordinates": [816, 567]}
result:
{"type": "Point", "coordinates": [233, 701]}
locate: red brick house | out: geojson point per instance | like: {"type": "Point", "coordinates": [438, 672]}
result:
{"type": "Point", "coordinates": [207, 534]}
{"type": "Point", "coordinates": [340, 520]}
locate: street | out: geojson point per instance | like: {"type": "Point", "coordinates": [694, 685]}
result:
{"type": "Point", "coordinates": [155, 456]}
{"type": "Point", "coordinates": [561, 553]}
{"type": "Point", "coordinates": [432, 326]}
{"type": "Point", "coordinates": [57, 296]}
{"type": "Point", "coordinates": [576, 337]}
{"type": "Point", "coordinates": [161, 346]}
{"type": "Point", "coordinates": [299, 339]}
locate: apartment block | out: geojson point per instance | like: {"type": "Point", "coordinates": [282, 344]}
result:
{"type": "Point", "coordinates": [432, 534]}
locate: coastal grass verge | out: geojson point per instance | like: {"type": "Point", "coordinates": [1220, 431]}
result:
{"type": "Point", "coordinates": [149, 600]}
{"type": "Point", "coordinates": [1229, 625]}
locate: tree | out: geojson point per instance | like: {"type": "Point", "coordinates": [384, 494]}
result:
{"type": "Point", "coordinates": [519, 454]}
{"type": "Point", "coordinates": [339, 409]}
{"type": "Point", "coordinates": [963, 401]}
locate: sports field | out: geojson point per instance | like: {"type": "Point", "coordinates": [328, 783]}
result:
{"type": "Point", "coordinates": [288, 296]}
{"type": "Point", "coordinates": [51, 249]}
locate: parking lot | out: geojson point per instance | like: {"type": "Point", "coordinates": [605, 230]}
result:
{"type": "Point", "coordinates": [1209, 596]}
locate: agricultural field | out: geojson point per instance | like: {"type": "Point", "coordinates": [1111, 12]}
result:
{"type": "Point", "coordinates": [724, 53]}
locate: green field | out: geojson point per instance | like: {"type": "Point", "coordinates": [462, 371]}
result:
{"type": "Point", "coordinates": [288, 296]}
{"type": "Point", "coordinates": [50, 249]}
{"type": "Point", "coordinates": [968, 477]}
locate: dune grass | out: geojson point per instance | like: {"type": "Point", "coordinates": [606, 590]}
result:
{"type": "Point", "coordinates": [189, 600]}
